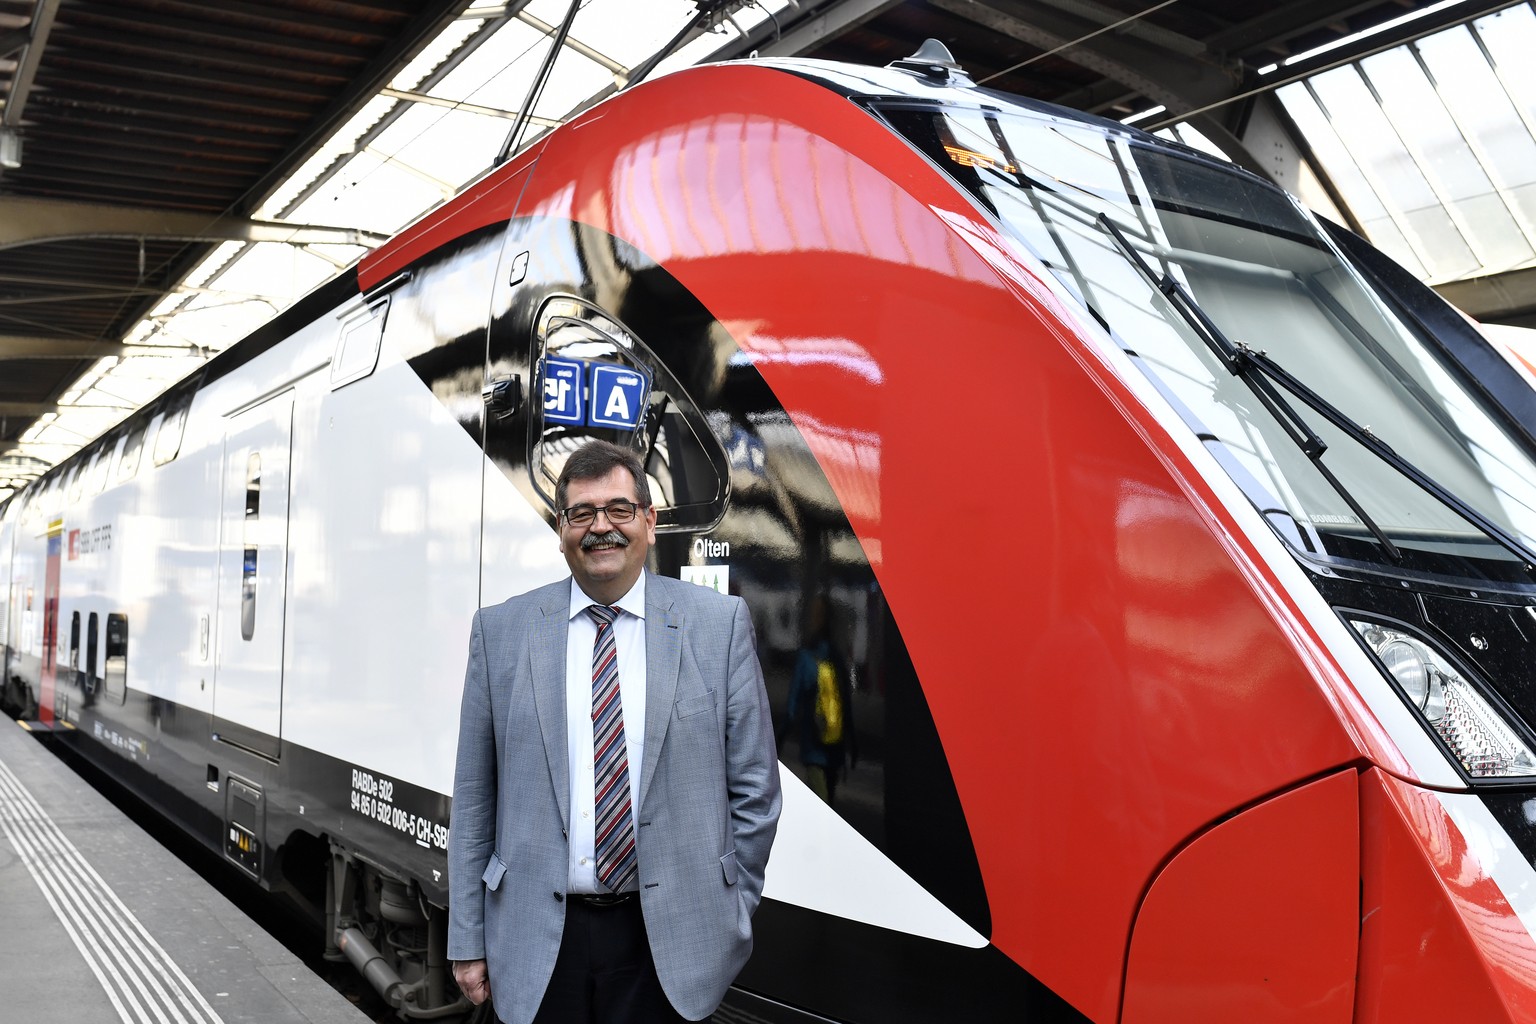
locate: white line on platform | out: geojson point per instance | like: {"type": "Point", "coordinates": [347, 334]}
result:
{"type": "Point", "coordinates": [140, 979]}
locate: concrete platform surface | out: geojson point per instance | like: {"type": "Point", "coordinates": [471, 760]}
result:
{"type": "Point", "coordinates": [99, 924]}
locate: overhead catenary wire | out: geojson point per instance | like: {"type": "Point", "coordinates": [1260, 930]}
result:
{"type": "Point", "coordinates": [536, 89]}
{"type": "Point", "coordinates": [1079, 40]}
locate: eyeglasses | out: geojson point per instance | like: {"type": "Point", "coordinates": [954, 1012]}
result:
{"type": "Point", "coordinates": [616, 511]}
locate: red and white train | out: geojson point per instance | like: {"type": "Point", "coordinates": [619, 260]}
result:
{"type": "Point", "coordinates": [1176, 549]}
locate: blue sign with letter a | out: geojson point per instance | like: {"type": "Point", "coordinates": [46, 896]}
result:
{"type": "Point", "coordinates": [617, 396]}
{"type": "Point", "coordinates": [562, 391]}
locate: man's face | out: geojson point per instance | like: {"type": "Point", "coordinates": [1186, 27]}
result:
{"type": "Point", "coordinates": [606, 558]}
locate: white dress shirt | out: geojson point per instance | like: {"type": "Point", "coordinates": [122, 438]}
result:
{"type": "Point", "coordinates": [629, 635]}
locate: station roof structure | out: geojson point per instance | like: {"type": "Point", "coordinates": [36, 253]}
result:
{"type": "Point", "coordinates": [175, 172]}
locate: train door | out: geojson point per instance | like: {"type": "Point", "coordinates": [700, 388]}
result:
{"type": "Point", "coordinates": [74, 646]}
{"type": "Point", "coordinates": [46, 697]}
{"type": "Point", "coordinates": [253, 573]}
{"type": "Point", "coordinates": [92, 648]}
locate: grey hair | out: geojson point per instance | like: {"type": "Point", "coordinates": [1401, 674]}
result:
{"type": "Point", "coordinates": [597, 459]}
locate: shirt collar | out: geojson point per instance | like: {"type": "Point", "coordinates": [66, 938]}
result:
{"type": "Point", "coordinates": [632, 602]}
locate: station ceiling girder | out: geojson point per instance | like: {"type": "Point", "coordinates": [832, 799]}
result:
{"type": "Point", "coordinates": [28, 221]}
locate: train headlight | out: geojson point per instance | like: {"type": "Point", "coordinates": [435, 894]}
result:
{"type": "Point", "coordinates": [1478, 735]}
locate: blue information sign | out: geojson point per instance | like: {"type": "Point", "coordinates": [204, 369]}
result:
{"type": "Point", "coordinates": [562, 391]}
{"type": "Point", "coordinates": [617, 396]}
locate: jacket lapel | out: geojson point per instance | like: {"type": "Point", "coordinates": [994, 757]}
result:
{"type": "Point", "coordinates": [546, 650]}
{"type": "Point", "coordinates": [663, 654]}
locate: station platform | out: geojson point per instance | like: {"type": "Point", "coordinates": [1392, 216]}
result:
{"type": "Point", "coordinates": [103, 925]}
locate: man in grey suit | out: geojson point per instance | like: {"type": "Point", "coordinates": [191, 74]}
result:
{"type": "Point", "coordinates": [617, 790]}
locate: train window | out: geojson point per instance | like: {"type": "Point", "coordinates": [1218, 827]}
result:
{"type": "Point", "coordinates": [116, 682]}
{"type": "Point", "coordinates": [92, 648]}
{"type": "Point", "coordinates": [76, 478]}
{"type": "Point", "coordinates": [248, 566]}
{"type": "Point", "coordinates": [112, 461]}
{"type": "Point", "coordinates": [129, 464]}
{"type": "Point", "coordinates": [168, 437]}
{"type": "Point", "coordinates": [96, 473]}
{"type": "Point", "coordinates": [50, 500]}
{"type": "Point", "coordinates": [32, 510]}
{"type": "Point", "coordinates": [357, 350]}
{"type": "Point", "coordinates": [74, 657]}
{"type": "Point", "coordinates": [599, 380]}
{"type": "Point", "coordinates": [50, 632]}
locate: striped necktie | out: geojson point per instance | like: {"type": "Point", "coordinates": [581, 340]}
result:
{"type": "Point", "coordinates": [617, 866]}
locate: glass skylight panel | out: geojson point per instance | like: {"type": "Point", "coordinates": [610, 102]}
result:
{"type": "Point", "coordinates": [338, 145]}
{"type": "Point", "coordinates": [1371, 139]}
{"type": "Point", "coordinates": [700, 49]}
{"type": "Point", "coordinates": [572, 81]}
{"type": "Point", "coordinates": [268, 274]}
{"type": "Point", "coordinates": [1510, 38]}
{"type": "Point", "coordinates": [204, 272]}
{"type": "Point", "coordinates": [1358, 192]}
{"type": "Point", "coordinates": [1188, 135]}
{"type": "Point", "coordinates": [1439, 137]}
{"type": "Point", "coordinates": [369, 193]}
{"type": "Point", "coordinates": [498, 73]}
{"type": "Point", "coordinates": [135, 387]}
{"type": "Point", "coordinates": [436, 52]}
{"type": "Point", "coordinates": [1479, 95]}
{"type": "Point", "coordinates": [339, 256]}
{"type": "Point", "coordinates": [1394, 174]}
{"type": "Point", "coordinates": [450, 145]}
{"type": "Point", "coordinates": [1473, 94]}
{"type": "Point", "coordinates": [622, 29]}
{"type": "Point", "coordinates": [1450, 166]}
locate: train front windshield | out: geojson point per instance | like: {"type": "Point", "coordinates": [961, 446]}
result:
{"type": "Point", "coordinates": [1112, 216]}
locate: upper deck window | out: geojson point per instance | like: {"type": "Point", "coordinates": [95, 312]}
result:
{"type": "Point", "coordinates": [357, 349]}
{"type": "Point", "coordinates": [173, 423]}
{"type": "Point", "coordinates": [132, 450]}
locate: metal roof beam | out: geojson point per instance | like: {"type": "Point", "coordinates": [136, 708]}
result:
{"type": "Point", "coordinates": [1281, 151]}
{"type": "Point", "coordinates": [591, 53]}
{"type": "Point", "coordinates": [1509, 297]}
{"type": "Point", "coordinates": [1178, 79]}
{"type": "Point", "coordinates": [1273, 29]}
{"type": "Point", "coordinates": [20, 346]}
{"type": "Point", "coordinates": [1175, 79]}
{"type": "Point", "coordinates": [31, 57]}
{"type": "Point", "coordinates": [1140, 28]}
{"type": "Point", "coordinates": [807, 32]}
{"type": "Point", "coordinates": [27, 409]}
{"type": "Point", "coordinates": [25, 221]}
{"type": "Point", "coordinates": [467, 108]}
{"type": "Point", "coordinates": [12, 42]}
{"type": "Point", "coordinates": [146, 31]}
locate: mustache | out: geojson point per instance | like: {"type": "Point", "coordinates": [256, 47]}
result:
{"type": "Point", "coordinates": [613, 537]}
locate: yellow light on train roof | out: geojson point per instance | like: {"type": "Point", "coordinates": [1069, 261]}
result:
{"type": "Point", "coordinates": [971, 158]}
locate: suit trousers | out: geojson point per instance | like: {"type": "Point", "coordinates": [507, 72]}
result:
{"type": "Point", "coordinates": [604, 973]}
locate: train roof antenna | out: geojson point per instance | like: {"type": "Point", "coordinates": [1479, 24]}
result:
{"type": "Point", "coordinates": [932, 60]}
{"type": "Point", "coordinates": [536, 90]}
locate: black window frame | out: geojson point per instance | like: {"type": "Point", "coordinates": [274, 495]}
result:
{"type": "Point", "coordinates": [668, 407]}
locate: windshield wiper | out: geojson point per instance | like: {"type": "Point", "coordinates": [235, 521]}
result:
{"type": "Point", "coordinates": [1261, 373]}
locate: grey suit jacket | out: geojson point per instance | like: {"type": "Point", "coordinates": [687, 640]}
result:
{"type": "Point", "coordinates": [708, 808]}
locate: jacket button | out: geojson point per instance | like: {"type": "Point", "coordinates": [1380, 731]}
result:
{"type": "Point", "coordinates": [559, 897]}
